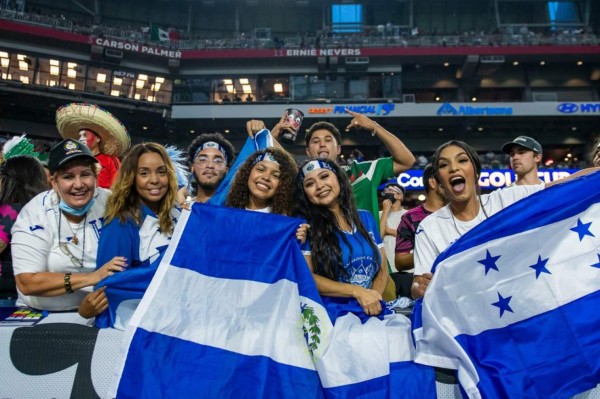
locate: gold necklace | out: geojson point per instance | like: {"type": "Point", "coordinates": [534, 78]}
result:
{"type": "Point", "coordinates": [74, 238]}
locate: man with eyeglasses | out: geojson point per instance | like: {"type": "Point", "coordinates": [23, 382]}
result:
{"type": "Point", "coordinates": [210, 157]}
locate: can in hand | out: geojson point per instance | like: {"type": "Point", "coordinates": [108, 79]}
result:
{"type": "Point", "coordinates": [294, 117]}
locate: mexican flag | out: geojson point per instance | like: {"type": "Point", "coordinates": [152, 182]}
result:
{"type": "Point", "coordinates": [158, 34]}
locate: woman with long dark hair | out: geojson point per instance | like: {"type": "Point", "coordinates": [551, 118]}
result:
{"type": "Point", "coordinates": [457, 168]}
{"type": "Point", "coordinates": [345, 251]}
{"type": "Point", "coordinates": [21, 178]}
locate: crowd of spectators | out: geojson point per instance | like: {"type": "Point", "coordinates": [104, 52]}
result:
{"type": "Point", "coordinates": [387, 35]}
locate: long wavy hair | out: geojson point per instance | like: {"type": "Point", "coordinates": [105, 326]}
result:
{"type": "Point", "coordinates": [283, 201]}
{"type": "Point", "coordinates": [21, 178]}
{"type": "Point", "coordinates": [326, 252]}
{"type": "Point", "coordinates": [125, 201]}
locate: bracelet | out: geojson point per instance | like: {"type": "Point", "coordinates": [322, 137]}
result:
{"type": "Point", "coordinates": [374, 131]}
{"type": "Point", "coordinates": [68, 283]}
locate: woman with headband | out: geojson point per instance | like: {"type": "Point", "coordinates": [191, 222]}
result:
{"type": "Point", "coordinates": [345, 251]}
{"type": "Point", "coordinates": [265, 183]}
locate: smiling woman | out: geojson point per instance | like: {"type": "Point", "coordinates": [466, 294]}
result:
{"type": "Point", "coordinates": [344, 250]}
{"type": "Point", "coordinates": [140, 215]}
{"type": "Point", "coordinates": [55, 237]}
{"type": "Point", "coordinates": [265, 182]}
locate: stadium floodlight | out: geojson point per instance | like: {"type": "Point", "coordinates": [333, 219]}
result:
{"type": "Point", "coordinates": [142, 77]}
{"type": "Point", "coordinates": [244, 81]}
{"type": "Point", "coordinates": [278, 88]}
{"type": "Point", "coordinates": [140, 84]}
{"type": "Point", "coordinates": [54, 70]}
{"type": "Point", "coordinates": [72, 73]}
{"type": "Point", "coordinates": [101, 78]}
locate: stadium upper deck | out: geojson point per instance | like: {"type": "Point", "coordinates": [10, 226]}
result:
{"type": "Point", "coordinates": [423, 62]}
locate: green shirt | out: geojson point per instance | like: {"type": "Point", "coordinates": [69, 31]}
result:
{"type": "Point", "coordinates": [365, 177]}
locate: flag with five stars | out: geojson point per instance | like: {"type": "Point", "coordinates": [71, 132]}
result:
{"type": "Point", "coordinates": [513, 305]}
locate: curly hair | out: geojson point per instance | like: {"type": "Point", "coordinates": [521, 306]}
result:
{"type": "Point", "coordinates": [283, 202]}
{"type": "Point", "coordinates": [217, 138]}
{"type": "Point", "coordinates": [124, 202]}
{"type": "Point", "coordinates": [325, 245]}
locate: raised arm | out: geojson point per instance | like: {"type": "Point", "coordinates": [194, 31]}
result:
{"type": "Point", "coordinates": [401, 155]}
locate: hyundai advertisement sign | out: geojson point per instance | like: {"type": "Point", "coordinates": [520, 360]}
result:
{"type": "Point", "coordinates": [490, 179]}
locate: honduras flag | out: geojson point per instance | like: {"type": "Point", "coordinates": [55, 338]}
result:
{"type": "Point", "coordinates": [513, 304]}
{"type": "Point", "coordinates": [232, 312]}
{"type": "Point", "coordinates": [262, 139]}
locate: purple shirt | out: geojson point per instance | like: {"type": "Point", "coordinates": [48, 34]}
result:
{"type": "Point", "coordinates": [405, 239]}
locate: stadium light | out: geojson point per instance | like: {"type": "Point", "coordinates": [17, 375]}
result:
{"type": "Point", "coordinates": [101, 78]}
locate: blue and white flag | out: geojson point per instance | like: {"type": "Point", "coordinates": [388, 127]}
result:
{"type": "Point", "coordinates": [262, 139]}
{"type": "Point", "coordinates": [371, 357]}
{"type": "Point", "coordinates": [232, 312]}
{"type": "Point", "coordinates": [513, 304]}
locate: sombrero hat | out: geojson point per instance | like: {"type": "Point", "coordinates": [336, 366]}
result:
{"type": "Point", "coordinates": [72, 118]}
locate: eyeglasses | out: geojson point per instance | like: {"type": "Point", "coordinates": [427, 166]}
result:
{"type": "Point", "coordinates": [203, 161]}
{"type": "Point", "coordinates": [65, 250]}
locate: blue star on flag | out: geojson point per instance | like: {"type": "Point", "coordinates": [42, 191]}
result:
{"type": "Point", "coordinates": [583, 229]}
{"type": "Point", "coordinates": [540, 266]}
{"type": "Point", "coordinates": [503, 305]}
{"type": "Point", "coordinates": [597, 264]}
{"type": "Point", "coordinates": [489, 262]}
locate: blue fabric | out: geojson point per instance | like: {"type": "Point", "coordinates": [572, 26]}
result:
{"type": "Point", "coordinates": [130, 240]}
{"type": "Point", "coordinates": [262, 140]}
{"type": "Point", "coordinates": [217, 246]}
{"type": "Point", "coordinates": [529, 325]}
{"type": "Point", "coordinates": [358, 259]}
{"type": "Point", "coordinates": [338, 307]}
{"type": "Point", "coordinates": [405, 378]}
{"type": "Point", "coordinates": [190, 370]}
